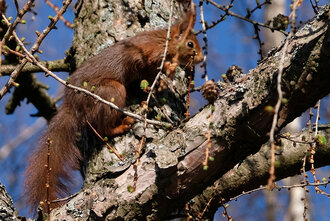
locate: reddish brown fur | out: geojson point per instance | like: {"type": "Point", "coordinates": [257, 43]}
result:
{"type": "Point", "coordinates": [110, 72]}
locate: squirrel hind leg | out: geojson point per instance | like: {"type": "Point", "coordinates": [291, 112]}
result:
{"type": "Point", "coordinates": [101, 116]}
{"type": "Point", "coordinates": [123, 127]}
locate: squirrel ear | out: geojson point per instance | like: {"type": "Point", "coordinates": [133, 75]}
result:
{"type": "Point", "coordinates": [189, 20]}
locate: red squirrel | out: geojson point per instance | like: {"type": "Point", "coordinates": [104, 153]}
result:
{"type": "Point", "coordinates": [110, 72]}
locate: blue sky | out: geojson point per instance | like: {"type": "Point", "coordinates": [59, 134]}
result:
{"type": "Point", "coordinates": [230, 43]}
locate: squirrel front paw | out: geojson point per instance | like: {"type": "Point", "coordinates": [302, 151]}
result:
{"type": "Point", "coordinates": [128, 121]}
{"type": "Point", "coordinates": [170, 69]}
{"type": "Point", "coordinates": [123, 127]}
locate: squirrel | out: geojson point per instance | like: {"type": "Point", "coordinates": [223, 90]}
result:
{"type": "Point", "coordinates": [111, 72]}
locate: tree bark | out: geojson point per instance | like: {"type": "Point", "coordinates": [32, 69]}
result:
{"type": "Point", "coordinates": [170, 171]}
{"type": "Point", "coordinates": [7, 211]}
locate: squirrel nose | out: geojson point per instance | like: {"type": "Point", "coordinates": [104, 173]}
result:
{"type": "Point", "coordinates": [199, 58]}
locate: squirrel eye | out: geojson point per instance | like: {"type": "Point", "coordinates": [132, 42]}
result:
{"type": "Point", "coordinates": [190, 44]}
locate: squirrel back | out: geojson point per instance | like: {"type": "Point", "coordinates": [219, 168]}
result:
{"type": "Point", "coordinates": [50, 167]}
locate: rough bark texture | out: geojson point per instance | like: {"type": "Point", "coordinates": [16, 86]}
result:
{"type": "Point", "coordinates": [99, 24]}
{"type": "Point", "coordinates": [170, 171]}
{"type": "Point", "coordinates": [7, 211]}
{"type": "Point", "coordinates": [253, 171]}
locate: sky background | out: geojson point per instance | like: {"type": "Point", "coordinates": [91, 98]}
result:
{"type": "Point", "coordinates": [230, 43]}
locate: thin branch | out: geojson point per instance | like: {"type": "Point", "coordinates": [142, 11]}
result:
{"type": "Point", "coordinates": [16, 5]}
{"type": "Point", "coordinates": [20, 14]}
{"type": "Point", "coordinates": [48, 208]}
{"type": "Point", "coordinates": [55, 7]}
{"type": "Point", "coordinates": [56, 66]}
{"type": "Point", "coordinates": [280, 97]}
{"type": "Point", "coordinates": [164, 54]}
{"type": "Point", "coordinates": [305, 187]}
{"type": "Point", "coordinates": [200, 215]}
{"type": "Point", "coordinates": [34, 48]}
{"type": "Point", "coordinates": [204, 39]}
{"type": "Point", "coordinates": [162, 63]}
{"type": "Point", "coordinates": [108, 145]}
{"type": "Point", "coordinates": [317, 117]}
{"type": "Point", "coordinates": [244, 18]}
{"type": "Point", "coordinates": [259, 6]}
{"type": "Point", "coordinates": [138, 152]}
{"type": "Point", "coordinates": [276, 111]}
{"type": "Point", "coordinates": [312, 151]}
{"type": "Point", "coordinates": [295, 141]}
{"type": "Point", "coordinates": [280, 187]}
{"type": "Point", "coordinates": [257, 37]}
{"type": "Point", "coordinates": [65, 198]}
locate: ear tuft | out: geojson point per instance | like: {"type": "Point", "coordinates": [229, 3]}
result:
{"type": "Point", "coordinates": [189, 20]}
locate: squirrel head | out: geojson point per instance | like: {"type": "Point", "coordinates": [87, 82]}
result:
{"type": "Point", "coordinates": [184, 40]}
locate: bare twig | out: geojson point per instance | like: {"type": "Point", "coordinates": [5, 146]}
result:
{"type": "Point", "coordinates": [34, 48]}
{"type": "Point", "coordinates": [305, 187]}
{"type": "Point", "coordinates": [279, 101]}
{"type": "Point", "coordinates": [200, 215]}
{"type": "Point", "coordinates": [108, 145]}
{"type": "Point", "coordinates": [136, 164]}
{"type": "Point", "coordinates": [244, 18]}
{"type": "Point", "coordinates": [214, 23]}
{"type": "Point", "coordinates": [55, 7]}
{"type": "Point", "coordinates": [295, 141]}
{"type": "Point", "coordinates": [20, 14]}
{"type": "Point", "coordinates": [138, 152]}
{"type": "Point", "coordinates": [225, 212]}
{"type": "Point", "coordinates": [16, 5]}
{"type": "Point", "coordinates": [279, 188]}
{"type": "Point", "coordinates": [257, 36]}
{"type": "Point", "coordinates": [65, 198]}
{"type": "Point", "coordinates": [164, 54]}
{"type": "Point", "coordinates": [188, 97]}
{"type": "Point", "coordinates": [312, 151]}
{"type": "Point", "coordinates": [48, 208]}
{"type": "Point", "coordinates": [204, 39]}
{"type": "Point", "coordinates": [315, 6]}
{"type": "Point", "coordinates": [276, 111]}
{"type": "Point", "coordinates": [259, 6]}
{"type": "Point", "coordinates": [296, 4]}
{"type": "Point", "coordinates": [317, 117]}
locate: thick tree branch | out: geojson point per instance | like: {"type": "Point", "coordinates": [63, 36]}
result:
{"type": "Point", "coordinates": [7, 211]}
{"type": "Point", "coordinates": [254, 171]}
{"type": "Point", "coordinates": [57, 65]}
{"type": "Point", "coordinates": [35, 92]}
{"type": "Point", "coordinates": [171, 172]}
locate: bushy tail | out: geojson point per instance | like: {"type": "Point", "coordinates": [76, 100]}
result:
{"type": "Point", "coordinates": [50, 167]}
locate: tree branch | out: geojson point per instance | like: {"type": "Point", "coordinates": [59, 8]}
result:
{"type": "Point", "coordinates": [56, 66]}
{"type": "Point", "coordinates": [254, 171]}
{"type": "Point", "coordinates": [170, 173]}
